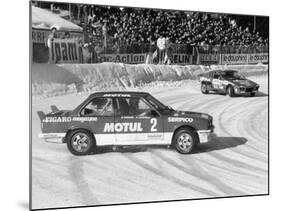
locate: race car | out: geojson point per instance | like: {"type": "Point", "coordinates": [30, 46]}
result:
{"type": "Point", "coordinates": [124, 119]}
{"type": "Point", "coordinates": [227, 81]}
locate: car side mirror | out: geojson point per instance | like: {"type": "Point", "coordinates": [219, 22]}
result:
{"type": "Point", "coordinates": [153, 113]}
{"type": "Point", "coordinates": [167, 111]}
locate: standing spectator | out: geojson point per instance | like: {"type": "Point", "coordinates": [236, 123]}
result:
{"type": "Point", "coordinates": [50, 41]}
{"type": "Point", "coordinates": [80, 48]}
{"type": "Point", "coordinates": [86, 53]}
{"type": "Point", "coordinates": [104, 34]}
{"type": "Point", "coordinates": [51, 37]}
{"type": "Point", "coordinates": [66, 35]}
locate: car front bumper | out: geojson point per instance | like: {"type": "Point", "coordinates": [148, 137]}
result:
{"type": "Point", "coordinates": [248, 90]}
{"type": "Point", "coordinates": [52, 137]}
{"type": "Point", "coordinates": [205, 135]}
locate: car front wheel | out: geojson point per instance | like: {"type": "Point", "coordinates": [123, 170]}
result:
{"type": "Point", "coordinates": [204, 89]}
{"type": "Point", "coordinates": [185, 140]}
{"type": "Point", "coordinates": [80, 142]}
{"type": "Point", "coordinates": [230, 91]}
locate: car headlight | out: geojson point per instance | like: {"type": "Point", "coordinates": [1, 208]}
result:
{"type": "Point", "coordinates": [236, 89]}
{"type": "Point", "coordinates": [205, 116]}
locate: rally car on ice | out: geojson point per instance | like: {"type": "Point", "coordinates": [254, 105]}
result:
{"type": "Point", "coordinates": [227, 81]}
{"type": "Point", "coordinates": [124, 119]}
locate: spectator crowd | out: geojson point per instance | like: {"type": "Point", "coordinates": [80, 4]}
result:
{"type": "Point", "coordinates": [111, 29]}
{"type": "Point", "coordinates": [135, 25]}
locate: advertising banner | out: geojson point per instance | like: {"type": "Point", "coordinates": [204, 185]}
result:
{"type": "Point", "coordinates": [123, 58]}
{"type": "Point", "coordinates": [244, 58]}
{"type": "Point", "coordinates": [65, 51]}
{"type": "Point", "coordinates": [208, 59]}
{"type": "Point", "coordinates": [181, 59]}
{"type": "Point", "coordinates": [41, 35]}
{"type": "Point", "coordinates": [258, 58]}
{"type": "Point", "coordinates": [234, 59]}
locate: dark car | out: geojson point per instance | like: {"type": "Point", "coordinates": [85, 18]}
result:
{"type": "Point", "coordinates": [124, 119]}
{"type": "Point", "coordinates": [227, 81]}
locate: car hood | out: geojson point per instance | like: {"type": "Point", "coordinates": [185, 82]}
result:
{"type": "Point", "coordinates": [242, 82]}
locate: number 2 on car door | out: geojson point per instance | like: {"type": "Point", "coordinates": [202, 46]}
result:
{"type": "Point", "coordinates": [153, 122]}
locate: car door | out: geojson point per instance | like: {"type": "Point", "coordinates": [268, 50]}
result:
{"type": "Point", "coordinates": [222, 83]}
{"type": "Point", "coordinates": [216, 81]}
{"type": "Point", "coordinates": [98, 116]}
{"type": "Point", "coordinates": [137, 122]}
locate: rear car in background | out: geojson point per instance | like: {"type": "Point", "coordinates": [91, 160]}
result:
{"type": "Point", "coordinates": [124, 119]}
{"type": "Point", "coordinates": [229, 82]}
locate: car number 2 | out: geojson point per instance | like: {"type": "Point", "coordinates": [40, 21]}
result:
{"type": "Point", "coordinates": [153, 128]}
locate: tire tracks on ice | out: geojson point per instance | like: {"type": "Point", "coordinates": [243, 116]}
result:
{"type": "Point", "coordinates": [198, 172]}
{"type": "Point", "coordinates": [170, 177]}
{"type": "Point", "coordinates": [76, 172]}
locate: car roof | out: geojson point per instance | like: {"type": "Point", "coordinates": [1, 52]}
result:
{"type": "Point", "coordinates": [218, 71]}
{"type": "Point", "coordinates": [120, 94]}
{"type": "Point", "coordinates": [223, 71]}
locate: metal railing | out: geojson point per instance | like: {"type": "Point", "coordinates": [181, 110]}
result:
{"type": "Point", "coordinates": [232, 49]}
{"type": "Point", "coordinates": [183, 49]}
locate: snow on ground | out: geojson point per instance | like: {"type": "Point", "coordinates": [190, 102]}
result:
{"type": "Point", "coordinates": [234, 163]}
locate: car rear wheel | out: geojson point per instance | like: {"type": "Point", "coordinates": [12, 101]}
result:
{"type": "Point", "coordinates": [185, 140]}
{"type": "Point", "coordinates": [80, 142]}
{"type": "Point", "coordinates": [204, 89]}
{"type": "Point", "coordinates": [253, 94]}
{"type": "Point", "coordinates": [230, 91]}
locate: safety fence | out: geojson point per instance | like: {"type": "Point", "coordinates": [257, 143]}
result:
{"type": "Point", "coordinates": [184, 48]}
{"type": "Point", "coordinates": [186, 54]}
{"type": "Point", "coordinates": [71, 51]}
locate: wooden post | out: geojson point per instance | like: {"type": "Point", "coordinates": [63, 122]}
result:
{"type": "Point", "coordinates": [255, 23]}
{"type": "Point", "coordinates": [78, 18]}
{"type": "Point", "coordinates": [70, 15]}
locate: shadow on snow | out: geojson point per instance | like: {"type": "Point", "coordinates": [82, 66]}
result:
{"type": "Point", "coordinates": [215, 143]}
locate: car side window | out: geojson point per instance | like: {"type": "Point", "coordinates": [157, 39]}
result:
{"type": "Point", "coordinates": [133, 107]}
{"type": "Point", "coordinates": [99, 106]}
{"type": "Point", "coordinates": [216, 76]}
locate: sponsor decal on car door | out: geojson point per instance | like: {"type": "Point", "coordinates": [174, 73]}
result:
{"type": "Point", "coordinates": [136, 122]}
{"type": "Point", "coordinates": [101, 111]}
{"type": "Point", "coordinates": [216, 81]}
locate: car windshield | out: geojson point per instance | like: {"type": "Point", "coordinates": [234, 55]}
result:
{"type": "Point", "coordinates": [232, 75]}
{"type": "Point", "coordinates": [156, 103]}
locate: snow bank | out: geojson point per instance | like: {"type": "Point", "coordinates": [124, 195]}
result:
{"type": "Point", "coordinates": [50, 79]}
{"type": "Point", "coordinates": [44, 19]}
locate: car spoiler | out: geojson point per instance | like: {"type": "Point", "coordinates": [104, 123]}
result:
{"type": "Point", "coordinates": [54, 108]}
{"type": "Point", "coordinates": [42, 115]}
